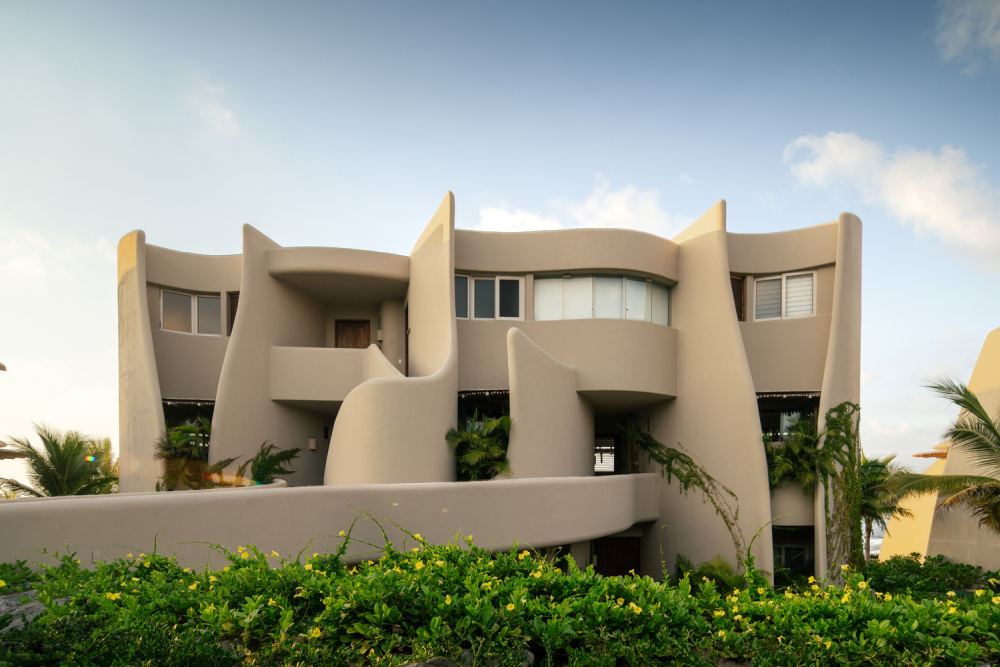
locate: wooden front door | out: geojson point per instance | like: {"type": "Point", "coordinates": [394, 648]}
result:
{"type": "Point", "coordinates": [615, 556]}
{"type": "Point", "coordinates": [353, 333]}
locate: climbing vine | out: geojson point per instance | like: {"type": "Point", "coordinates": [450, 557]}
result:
{"type": "Point", "coordinates": [842, 490]}
{"type": "Point", "coordinates": [689, 474]}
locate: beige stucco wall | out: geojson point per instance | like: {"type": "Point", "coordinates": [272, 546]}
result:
{"type": "Point", "coordinates": [321, 378]}
{"type": "Point", "coordinates": [616, 355]}
{"type": "Point", "coordinates": [842, 372]}
{"type": "Point", "coordinates": [391, 430]}
{"type": "Point", "coordinates": [623, 250]}
{"type": "Point", "coordinates": [189, 365]}
{"type": "Point", "coordinates": [714, 416]}
{"type": "Point", "coordinates": [552, 432]}
{"type": "Point", "coordinates": [794, 507]}
{"type": "Point", "coordinates": [391, 314]}
{"type": "Point", "coordinates": [140, 408]}
{"type": "Point", "coordinates": [956, 535]}
{"type": "Point", "coordinates": [537, 512]}
{"type": "Point", "coordinates": [905, 535]}
{"type": "Point", "coordinates": [780, 252]}
{"type": "Point", "coordinates": [271, 313]}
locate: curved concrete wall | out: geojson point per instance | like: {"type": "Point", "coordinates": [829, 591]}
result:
{"type": "Point", "coordinates": [536, 512]}
{"type": "Point", "coordinates": [779, 252]}
{"type": "Point", "coordinates": [612, 355]}
{"type": "Point", "coordinates": [552, 434]}
{"type": "Point", "coordinates": [391, 430]}
{"type": "Point", "coordinates": [714, 416]}
{"type": "Point", "coordinates": [140, 407]}
{"type": "Point", "coordinates": [566, 250]}
{"type": "Point", "coordinates": [842, 373]}
{"type": "Point", "coordinates": [796, 508]}
{"type": "Point", "coordinates": [956, 535]}
{"type": "Point", "coordinates": [271, 313]}
{"type": "Point", "coordinates": [904, 536]}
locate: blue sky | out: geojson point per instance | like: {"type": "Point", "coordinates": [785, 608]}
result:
{"type": "Point", "coordinates": [344, 125]}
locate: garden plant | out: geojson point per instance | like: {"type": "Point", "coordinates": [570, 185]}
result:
{"type": "Point", "coordinates": [457, 600]}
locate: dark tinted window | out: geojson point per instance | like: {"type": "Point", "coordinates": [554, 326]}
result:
{"type": "Point", "coordinates": [510, 298]}
{"type": "Point", "coordinates": [484, 306]}
{"type": "Point", "coordinates": [461, 296]}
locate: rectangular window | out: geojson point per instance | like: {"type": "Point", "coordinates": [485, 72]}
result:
{"type": "Point", "coordinates": [610, 300]}
{"type": "Point", "coordinates": [637, 306]}
{"type": "Point", "coordinates": [461, 296]}
{"type": "Point", "coordinates": [738, 297]}
{"type": "Point", "coordinates": [578, 297]}
{"type": "Point", "coordinates": [484, 297]}
{"type": "Point", "coordinates": [548, 299]}
{"type": "Point", "coordinates": [509, 298]}
{"type": "Point", "coordinates": [234, 301]}
{"type": "Point", "coordinates": [176, 311]}
{"type": "Point", "coordinates": [799, 295]}
{"type": "Point", "coordinates": [661, 304]}
{"type": "Point", "coordinates": [767, 302]}
{"type": "Point", "coordinates": [785, 296]}
{"type": "Point", "coordinates": [210, 315]}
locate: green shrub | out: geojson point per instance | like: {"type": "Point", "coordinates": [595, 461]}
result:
{"type": "Point", "coordinates": [914, 574]}
{"type": "Point", "coordinates": [265, 465]}
{"type": "Point", "coordinates": [16, 577]}
{"type": "Point", "coordinates": [438, 600]}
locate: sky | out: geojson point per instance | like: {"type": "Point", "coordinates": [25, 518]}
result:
{"type": "Point", "coordinates": [344, 124]}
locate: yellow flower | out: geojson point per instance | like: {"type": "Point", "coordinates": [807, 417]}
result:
{"type": "Point", "coordinates": [780, 639]}
{"type": "Point", "coordinates": [761, 590]}
{"type": "Point", "coordinates": [488, 585]}
{"type": "Point", "coordinates": [980, 592]}
{"type": "Point", "coordinates": [225, 569]}
{"type": "Point", "coordinates": [815, 587]}
{"type": "Point", "coordinates": [951, 594]}
{"type": "Point", "coordinates": [722, 634]}
{"type": "Point", "coordinates": [244, 555]}
{"type": "Point", "coordinates": [844, 567]}
{"type": "Point", "coordinates": [996, 600]}
{"type": "Point", "coordinates": [113, 596]}
{"type": "Point", "coordinates": [342, 534]}
{"type": "Point", "coordinates": [812, 579]}
{"type": "Point", "coordinates": [738, 617]}
{"type": "Point", "coordinates": [888, 597]}
{"type": "Point", "coordinates": [522, 555]}
{"type": "Point", "coordinates": [447, 599]}
{"type": "Point", "coordinates": [240, 549]}
{"type": "Point", "coordinates": [635, 608]}
{"type": "Point", "coordinates": [193, 586]}
{"type": "Point", "coordinates": [275, 554]}
{"type": "Point", "coordinates": [186, 570]}
{"type": "Point", "coordinates": [128, 556]}
{"type": "Point", "coordinates": [309, 566]}
{"type": "Point", "coordinates": [315, 633]}
{"type": "Point", "coordinates": [439, 563]}
{"type": "Point", "coordinates": [135, 579]}
{"type": "Point", "coordinates": [862, 585]}
{"type": "Point", "coordinates": [210, 607]}
{"type": "Point", "coordinates": [620, 601]}
{"type": "Point", "coordinates": [271, 603]}
{"type": "Point", "coordinates": [211, 578]}
{"type": "Point", "coordinates": [827, 644]}
{"type": "Point", "coordinates": [2, 583]}
{"type": "Point", "coordinates": [142, 555]}
{"type": "Point", "coordinates": [417, 536]}
{"type": "Point", "coordinates": [419, 565]}
{"type": "Point", "coordinates": [510, 607]}
{"type": "Point", "coordinates": [719, 612]}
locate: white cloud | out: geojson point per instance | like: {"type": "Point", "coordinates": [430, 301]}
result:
{"type": "Point", "coordinates": [969, 31]}
{"type": "Point", "coordinates": [902, 429]}
{"type": "Point", "coordinates": [219, 118]}
{"type": "Point", "coordinates": [496, 219]}
{"type": "Point", "coordinates": [937, 194]}
{"type": "Point", "coordinates": [623, 208]}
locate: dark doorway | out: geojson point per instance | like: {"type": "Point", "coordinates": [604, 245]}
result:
{"type": "Point", "coordinates": [779, 410]}
{"type": "Point", "coordinates": [177, 411]}
{"type": "Point", "coordinates": [793, 553]}
{"type": "Point", "coordinates": [616, 556]}
{"type": "Point", "coordinates": [353, 333]}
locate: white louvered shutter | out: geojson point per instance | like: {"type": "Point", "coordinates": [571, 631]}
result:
{"type": "Point", "coordinates": [768, 298]}
{"type": "Point", "coordinates": [799, 295]}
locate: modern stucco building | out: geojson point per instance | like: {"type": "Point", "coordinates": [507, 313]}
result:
{"type": "Point", "coordinates": [955, 535]}
{"type": "Point", "coordinates": [366, 359]}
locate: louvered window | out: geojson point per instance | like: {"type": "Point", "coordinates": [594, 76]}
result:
{"type": "Point", "coordinates": [785, 296]}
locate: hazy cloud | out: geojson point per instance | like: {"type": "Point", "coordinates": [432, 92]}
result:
{"type": "Point", "coordinates": [937, 194]}
{"type": "Point", "coordinates": [623, 208]}
{"type": "Point", "coordinates": [969, 31]}
{"type": "Point", "coordinates": [902, 429]}
{"type": "Point", "coordinates": [207, 104]}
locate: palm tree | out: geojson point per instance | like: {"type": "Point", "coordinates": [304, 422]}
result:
{"type": "Point", "coordinates": [977, 435]}
{"type": "Point", "coordinates": [799, 459]}
{"type": "Point", "coordinates": [878, 502]}
{"type": "Point", "coordinates": [67, 465]}
{"type": "Point", "coordinates": [481, 449]}
{"type": "Point", "coordinates": [108, 462]}
{"type": "Point", "coordinates": [184, 452]}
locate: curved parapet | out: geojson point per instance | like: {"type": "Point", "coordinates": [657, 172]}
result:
{"type": "Point", "coordinates": [341, 276]}
{"type": "Point", "coordinates": [567, 249]}
{"type": "Point", "coordinates": [391, 429]}
{"type": "Point", "coordinates": [140, 406]}
{"type": "Point", "coordinates": [714, 416]}
{"type": "Point", "coordinates": [535, 512]}
{"type": "Point", "coordinates": [552, 434]}
{"type": "Point", "coordinates": [271, 313]}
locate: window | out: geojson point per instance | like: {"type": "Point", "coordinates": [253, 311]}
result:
{"type": "Point", "coordinates": [189, 313]}
{"type": "Point", "coordinates": [785, 296]}
{"type": "Point", "coordinates": [461, 296]}
{"type": "Point", "coordinates": [739, 298]}
{"type": "Point", "coordinates": [495, 298]}
{"type": "Point", "coordinates": [234, 301]}
{"type": "Point", "coordinates": [601, 297]}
